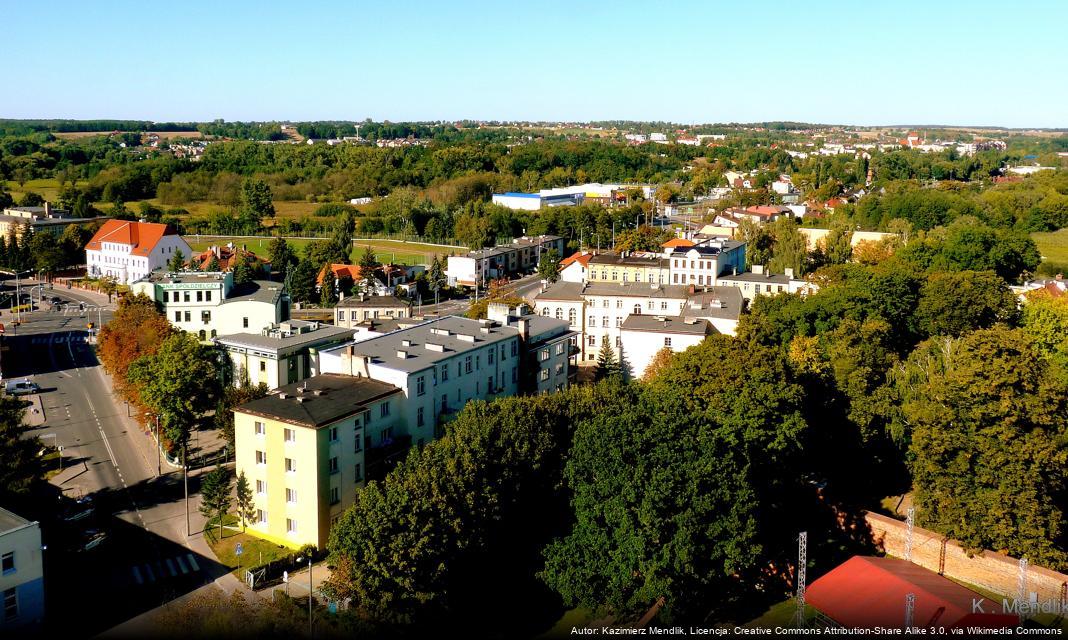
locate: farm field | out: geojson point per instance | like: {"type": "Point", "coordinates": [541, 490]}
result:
{"type": "Point", "coordinates": [166, 135]}
{"type": "Point", "coordinates": [47, 188]}
{"type": "Point", "coordinates": [1053, 245]}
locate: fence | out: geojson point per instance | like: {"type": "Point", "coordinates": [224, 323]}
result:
{"type": "Point", "coordinates": [988, 570]}
{"type": "Point", "coordinates": [445, 243]}
{"type": "Point", "coordinates": [270, 573]}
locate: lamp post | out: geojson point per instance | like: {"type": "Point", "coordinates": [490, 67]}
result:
{"type": "Point", "coordinates": [299, 559]}
{"type": "Point", "coordinates": [55, 444]}
{"type": "Point", "coordinates": [185, 480]}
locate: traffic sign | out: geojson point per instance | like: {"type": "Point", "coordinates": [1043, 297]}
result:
{"type": "Point", "coordinates": [285, 577]}
{"type": "Point", "coordinates": [1, 327]}
{"type": "Point", "coordinates": [239, 549]}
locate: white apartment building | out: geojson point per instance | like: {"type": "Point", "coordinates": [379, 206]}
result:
{"type": "Point", "coordinates": [281, 354]}
{"type": "Point", "coordinates": [21, 575]}
{"type": "Point", "coordinates": [702, 265]}
{"type": "Point", "coordinates": [519, 256]}
{"type": "Point", "coordinates": [356, 309]}
{"type": "Point", "coordinates": [643, 336]}
{"type": "Point", "coordinates": [210, 304]}
{"type": "Point", "coordinates": [129, 251]}
{"type": "Point", "coordinates": [760, 281]}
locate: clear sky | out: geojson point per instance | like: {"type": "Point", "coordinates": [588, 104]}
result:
{"type": "Point", "coordinates": [860, 62]}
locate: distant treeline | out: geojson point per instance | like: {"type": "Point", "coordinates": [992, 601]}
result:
{"type": "Point", "coordinates": [27, 127]}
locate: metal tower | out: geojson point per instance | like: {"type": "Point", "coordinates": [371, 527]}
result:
{"type": "Point", "coordinates": [802, 562]}
{"type": "Point", "coordinates": [910, 609]}
{"type": "Point", "coordinates": [909, 522]}
{"type": "Point", "coordinates": [1021, 589]}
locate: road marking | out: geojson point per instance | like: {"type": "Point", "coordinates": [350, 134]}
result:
{"type": "Point", "coordinates": [170, 567]}
{"type": "Point", "coordinates": [192, 562]}
{"type": "Point", "coordinates": [181, 565]}
{"type": "Point", "coordinates": [137, 576]}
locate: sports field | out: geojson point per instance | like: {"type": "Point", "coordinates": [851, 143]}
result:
{"type": "Point", "coordinates": [385, 250]}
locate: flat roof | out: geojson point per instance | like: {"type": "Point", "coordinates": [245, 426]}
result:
{"type": "Point", "coordinates": [703, 304]}
{"type": "Point", "coordinates": [574, 291]}
{"type": "Point", "coordinates": [748, 276]}
{"type": "Point", "coordinates": [630, 260]}
{"type": "Point", "coordinates": [443, 336]}
{"type": "Point", "coordinates": [667, 324]}
{"type": "Point", "coordinates": [323, 333]}
{"type": "Point", "coordinates": [339, 397]}
{"type": "Point", "coordinates": [10, 521]}
{"type": "Point", "coordinates": [373, 301]}
{"type": "Point", "coordinates": [516, 194]}
{"type": "Point", "coordinates": [255, 291]}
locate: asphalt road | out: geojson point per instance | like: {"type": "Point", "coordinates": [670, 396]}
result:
{"type": "Point", "coordinates": [145, 558]}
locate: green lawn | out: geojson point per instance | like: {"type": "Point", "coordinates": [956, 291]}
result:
{"type": "Point", "coordinates": [385, 250]}
{"type": "Point", "coordinates": [47, 188]}
{"type": "Point", "coordinates": [1053, 245]}
{"type": "Point", "coordinates": [255, 551]}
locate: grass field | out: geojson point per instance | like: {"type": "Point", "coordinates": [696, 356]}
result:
{"type": "Point", "coordinates": [1053, 245]}
{"type": "Point", "coordinates": [254, 551]}
{"type": "Point", "coordinates": [166, 135]}
{"type": "Point", "coordinates": [47, 188]}
{"type": "Point", "coordinates": [385, 250]}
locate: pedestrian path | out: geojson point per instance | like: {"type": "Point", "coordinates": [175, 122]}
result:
{"type": "Point", "coordinates": [149, 572]}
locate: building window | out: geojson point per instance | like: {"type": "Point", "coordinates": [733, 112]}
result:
{"type": "Point", "coordinates": [619, 322]}
{"type": "Point", "coordinates": [359, 472]}
{"type": "Point", "coordinates": [571, 316]}
{"type": "Point", "coordinates": [177, 316]}
{"type": "Point", "coordinates": [335, 495]}
{"type": "Point", "coordinates": [290, 435]}
{"type": "Point", "coordinates": [515, 348]}
{"type": "Point", "coordinates": [291, 465]}
{"type": "Point", "coordinates": [543, 354]}
{"type": "Point", "coordinates": [619, 342]}
{"type": "Point", "coordinates": [386, 435]}
{"type": "Point", "coordinates": [651, 304]}
{"type": "Point", "coordinates": [444, 403]}
{"type": "Point", "coordinates": [663, 305]}
{"type": "Point", "coordinates": [543, 375]}
{"type": "Point", "coordinates": [420, 385]}
{"type": "Point", "coordinates": [604, 321]}
{"type": "Point", "coordinates": [185, 296]}
{"type": "Point", "coordinates": [261, 457]}
{"type": "Point", "coordinates": [591, 342]}
{"type": "Point", "coordinates": [674, 278]}
{"type": "Point", "coordinates": [11, 604]}
{"type": "Point", "coordinates": [637, 309]}
{"type": "Point", "coordinates": [188, 316]}
{"type": "Point", "coordinates": [467, 364]}
{"type": "Point", "coordinates": [419, 421]}
{"type": "Point", "coordinates": [383, 409]}
{"type": "Point", "coordinates": [359, 442]}
{"type": "Point", "coordinates": [261, 516]}
{"type": "Point", "coordinates": [444, 373]}
{"type": "Point", "coordinates": [263, 365]}
{"type": "Point", "coordinates": [291, 496]}
{"type": "Point", "coordinates": [545, 311]}
{"type": "Point", "coordinates": [333, 465]}
{"type": "Point", "coordinates": [207, 296]}
{"type": "Point", "coordinates": [7, 563]}
{"type": "Point", "coordinates": [490, 356]}
{"type": "Point", "coordinates": [244, 322]}
{"type": "Point", "coordinates": [604, 303]}
{"type": "Point", "coordinates": [333, 434]}
{"type": "Point", "coordinates": [261, 487]}
{"type": "Point", "coordinates": [593, 321]}
{"type": "Point", "coordinates": [200, 296]}
{"type": "Point", "coordinates": [291, 525]}
{"type": "Point", "coordinates": [667, 342]}
{"type": "Point", "coordinates": [559, 348]}
{"type": "Point", "coordinates": [261, 429]}
{"type": "Point", "coordinates": [205, 316]}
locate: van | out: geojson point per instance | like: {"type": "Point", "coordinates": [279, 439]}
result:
{"type": "Point", "coordinates": [20, 387]}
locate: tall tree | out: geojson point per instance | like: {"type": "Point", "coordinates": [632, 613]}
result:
{"type": "Point", "coordinates": [549, 266]}
{"type": "Point", "coordinates": [952, 303]}
{"type": "Point", "coordinates": [213, 265]}
{"type": "Point", "coordinates": [607, 364]}
{"type": "Point", "coordinates": [243, 272]}
{"type": "Point", "coordinates": [281, 257]}
{"type": "Point", "coordinates": [302, 282]}
{"type": "Point", "coordinates": [368, 265]}
{"type": "Point", "coordinates": [342, 239]}
{"type": "Point", "coordinates": [215, 497]}
{"type": "Point", "coordinates": [20, 467]}
{"type": "Point", "coordinates": [256, 199]}
{"type": "Point", "coordinates": [327, 297]}
{"type": "Point", "coordinates": [177, 262]}
{"type": "Point", "coordinates": [246, 505]}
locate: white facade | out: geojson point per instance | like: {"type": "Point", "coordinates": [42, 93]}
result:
{"type": "Point", "coordinates": [21, 575]}
{"type": "Point", "coordinates": [463, 270]}
{"type": "Point", "coordinates": [282, 354]}
{"type": "Point", "coordinates": [643, 340]}
{"type": "Point", "coordinates": [575, 271]}
{"type": "Point", "coordinates": [523, 201]}
{"type": "Point", "coordinates": [208, 304]}
{"type": "Point", "coordinates": [702, 265]}
{"type": "Point", "coordinates": [128, 251]}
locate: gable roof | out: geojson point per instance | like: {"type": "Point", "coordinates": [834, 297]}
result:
{"type": "Point", "coordinates": [677, 242]}
{"type": "Point", "coordinates": [144, 236]}
{"type": "Point", "coordinates": [581, 258]}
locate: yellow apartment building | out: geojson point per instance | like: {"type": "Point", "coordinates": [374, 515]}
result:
{"type": "Point", "coordinates": [303, 448]}
{"type": "Point", "coordinates": [627, 267]}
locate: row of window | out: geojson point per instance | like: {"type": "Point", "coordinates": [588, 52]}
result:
{"type": "Point", "coordinates": [201, 296]}
{"type": "Point", "coordinates": [701, 264]}
{"type": "Point", "coordinates": [626, 276]}
{"type": "Point", "coordinates": [591, 341]}
{"type": "Point", "coordinates": [354, 314]}
{"type": "Point", "coordinates": [677, 279]}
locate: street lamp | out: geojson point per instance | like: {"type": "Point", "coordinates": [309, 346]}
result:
{"type": "Point", "coordinates": [300, 559]}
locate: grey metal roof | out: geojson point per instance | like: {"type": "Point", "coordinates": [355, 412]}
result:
{"type": "Point", "coordinates": [667, 324]}
{"type": "Point", "coordinates": [631, 260]}
{"type": "Point", "coordinates": [570, 291]}
{"type": "Point", "coordinates": [325, 333]}
{"type": "Point", "coordinates": [374, 301]}
{"type": "Point", "coordinates": [255, 291]}
{"type": "Point", "coordinates": [777, 278]}
{"type": "Point", "coordinates": [339, 397]}
{"type": "Point", "coordinates": [574, 291]}
{"type": "Point", "coordinates": [708, 250]}
{"type": "Point", "coordinates": [383, 349]}
{"type": "Point", "coordinates": [10, 521]}
{"type": "Point", "coordinates": [715, 302]}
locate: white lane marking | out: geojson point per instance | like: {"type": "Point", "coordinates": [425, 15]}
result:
{"type": "Point", "coordinates": [192, 562]}
{"type": "Point", "coordinates": [181, 565]}
{"type": "Point", "coordinates": [137, 575]}
{"type": "Point", "coordinates": [170, 567]}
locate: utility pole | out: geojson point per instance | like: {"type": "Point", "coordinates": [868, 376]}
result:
{"type": "Point", "coordinates": [185, 478]}
{"type": "Point", "coordinates": [1021, 590]}
{"type": "Point", "coordinates": [910, 609]}
{"type": "Point", "coordinates": [909, 521]}
{"type": "Point", "coordinates": [159, 448]}
{"type": "Point", "coordinates": [802, 561]}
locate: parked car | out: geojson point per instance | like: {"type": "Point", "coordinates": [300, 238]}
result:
{"type": "Point", "coordinates": [20, 387]}
{"type": "Point", "coordinates": [92, 539]}
{"type": "Point", "coordinates": [80, 510]}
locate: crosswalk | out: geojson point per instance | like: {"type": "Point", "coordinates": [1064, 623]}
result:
{"type": "Point", "coordinates": [149, 572]}
{"type": "Point", "coordinates": [61, 339]}
{"type": "Point", "coordinates": [70, 310]}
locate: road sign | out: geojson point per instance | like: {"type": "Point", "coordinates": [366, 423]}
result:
{"type": "Point", "coordinates": [285, 577]}
{"type": "Point", "coordinates": [239, 549]}
{"type": "Point", "coordinates": [1, 327]}
{"type": "Point", "coordinates": [332, 607]}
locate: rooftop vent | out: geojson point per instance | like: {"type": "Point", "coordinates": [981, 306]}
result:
{"type": "Point", "coordinates": [402, 354]}
{"type": "Point", "coordinates": [282, 396]}
{"type": "Point", "coordinates": [463, 337]}
{"type": "Point", "coordinates": [440, 348]}
{"type": "Point", "coordinates": [484, 330]}
{"type": "Point", "coordinates": [406, 343]}
{"type": "Point", "coordinates": [318, 392]}
{"type": "Point", "coordinates": [300, 399]}
{"type": "Point", "coordinates": [440, 332]}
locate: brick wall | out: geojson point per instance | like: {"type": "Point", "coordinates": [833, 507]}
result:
{"type": "Point", "coordinates": [990, 570]}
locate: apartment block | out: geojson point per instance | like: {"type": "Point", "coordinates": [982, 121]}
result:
{"type": "Point", "coordinates": [21, 574]}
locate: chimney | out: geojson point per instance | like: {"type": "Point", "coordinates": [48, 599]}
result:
{"type": "Point", "coordinates": [524, 328]}
{"type": "Point", "coordinates": [790, 273]}
{"type": "Point", "coordinates": [48, 209]}
{"type": "Point", "coordinates": [758, 269]}
{"type": "Point", "coordinates": [691, 290]}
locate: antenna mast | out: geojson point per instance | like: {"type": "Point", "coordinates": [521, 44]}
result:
{"type": "Point", "coordinates": [910, 609]}
{"type": "Point", "coordinates": [802, 563]}
{"type": "Point", "coordinates": [1021, 589]}
{"type": "Point", "coordinates": [909, 522]}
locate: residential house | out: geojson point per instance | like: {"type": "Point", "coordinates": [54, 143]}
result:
{"type": "Point", "coordinates": [18, 220]}
{"type": "Point", "coordinates": [21, 575]}
{"type": "Point", "coordinates": [227, 255]}
{"type": "Point", "coordinates": [720, 306]}
{"type": "Point", "coordinates": [702, 265]}
{"type": "Point", "coordinates": [210, 304]}
{"type": "Point", "coordinates": [628, 266]}
{"type": "Point", "coordinates": [760, 281]}
{"type": "Point", "coordinates": [643, 336]}
{"type": "Point", "coordinates": [358, 308]}
{"type": "Point", "coordinates": [280, 354]}
{"type": "Point", "coordinates": [304, 449]}
{"type": "Point", "coordinates": [129, 251]}
{"type": "Point", "coordinates": [575, 268]}
{"type": "Point", "coordinates": [522, 255]}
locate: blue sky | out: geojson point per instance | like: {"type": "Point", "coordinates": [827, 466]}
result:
{"type": "Point", "coordinates": [852, 62]}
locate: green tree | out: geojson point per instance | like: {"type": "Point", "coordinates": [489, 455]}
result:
{"type": "Point", "coordinates": [213, 265]}
{"type": "Point", "coordinates": [549, 266]}
{"type": "Point", "coordinates": [179, 382]}
{"type": "Point", "coordinates": [342, 238]}
{"type": "Point", "coordinates": [963, 402]}
{"type": "Point", "coordinates": [790, 249]}
{"type": "Point", "coordinates": [758, 243]}
{"type": "Point", "coordinates": [1045, 320]}
{"type": "Point", "coordinates": [327, 297]}
{"type": "Point", "coordinates": [20, 468]}
{"type": "Point", "coordinates": [952, 303]}
{"type": "Point", "coordinates": [368, 265]}
{"type": "Point", "coordinates": [436, 275]}
{"type": "Point", "coordinates": [302, 282]}
{"type": "Point", "coordinates": [243, 272]}
{"type": "Point", "coordinates": [234, 395]}
{"type": "Point", "coordinates": [31, 199]}
{"type": "Point", "coordinates": [607, 364]}
{"type": "Point", "coordinates": [177, 262]}
{"type": "Point", "coordinates": [246, 505]}
{"type": "Point", "coordinates": [281, 257]}
{"type": "Point", "coordinates": [256, 199]}
{"type": "Point", "coordinates": [215, 497]}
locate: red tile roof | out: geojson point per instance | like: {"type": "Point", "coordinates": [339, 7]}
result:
{"type": "Point", "coordinates": [581, 258]}
{"type": "Point", "coordinates": [144, 236]}
{"type": "Point", "coordinates": [340, 271]}
{"type": "Point", "coordinates": [868, 592]}
{"type": "Point", "coordinates": [226, 256]}
{"type": "Point", "coordinates": [677, 242]}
